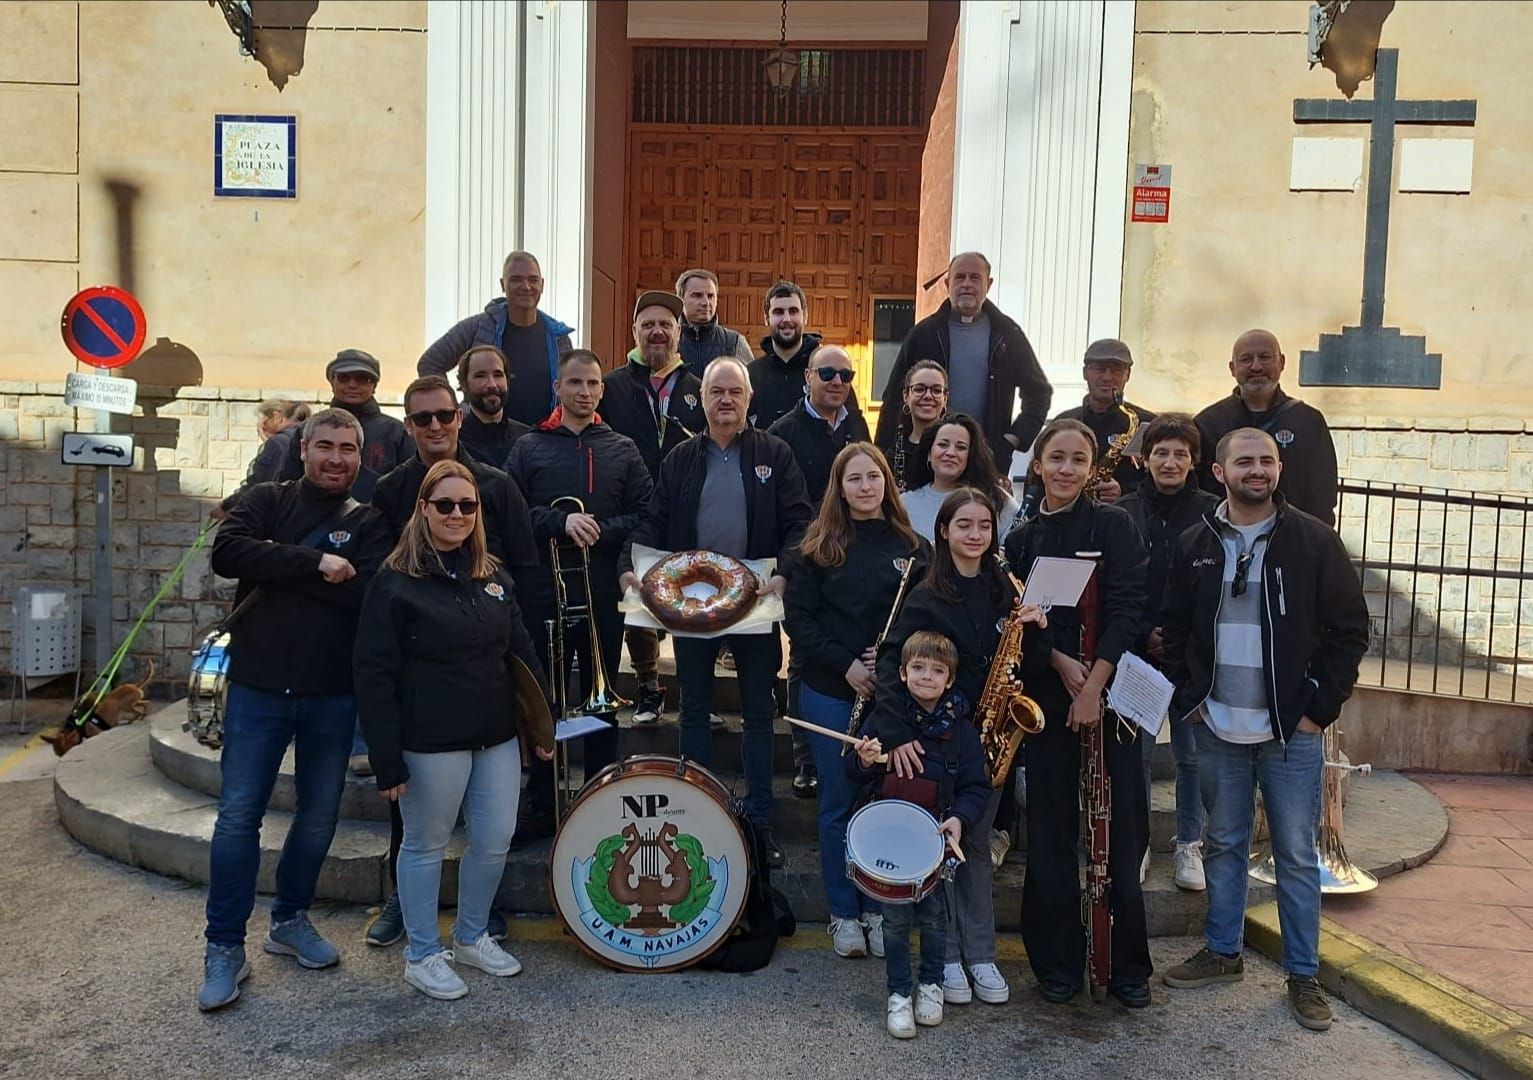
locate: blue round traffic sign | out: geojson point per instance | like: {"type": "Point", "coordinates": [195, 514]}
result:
{"type": "Point", "coordinates": [104, 326]}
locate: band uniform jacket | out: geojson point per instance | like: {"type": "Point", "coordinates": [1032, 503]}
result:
{"type": "Point", "coordinates": [1309, 478]}
{"type": "Point", "coordinates": [507, 524]}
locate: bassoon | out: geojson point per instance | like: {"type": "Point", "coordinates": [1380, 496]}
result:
{"type": "Point", "coordinates": [1096, 801]}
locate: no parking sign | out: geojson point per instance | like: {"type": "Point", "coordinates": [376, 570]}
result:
{"type": "Point", "coordinates": [104, 326]}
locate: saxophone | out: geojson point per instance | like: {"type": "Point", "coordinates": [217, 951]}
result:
{"type": "Point", "coordinates": [1108, 463]}
{"type": "Point", "coordinates": [1004, 713]}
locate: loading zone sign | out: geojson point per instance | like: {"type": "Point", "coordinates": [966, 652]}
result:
{"type": "Point", "coordinates": [82, 391]}
{"type": "Point", "coordinates": [1152, 193]}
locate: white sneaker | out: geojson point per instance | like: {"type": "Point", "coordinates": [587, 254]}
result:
{"type": "Point", "coordinates": [989, 987]}
{"type": "Point", "coordinates": [929, 1005]}
{"type": "Point", "coordinates": [1144, 866]}
{"type": "Point", "coordinates": [955, 985]}
{"type": "Point", "coordinates": [874, 924]}
{"type": "Point", "coordinates": [902, 1022]}
{"type": "Point", "coordinates": [435, 977]}
{"type": "Point", "coordinates": [1189, 867]}
{"type": "Point", "coordinates": [715, 720]}
{"type": "Point", "coordinates": [846, 938]}
{"type": "Point", "coordinates": [1000, 844]}
{"type": "Point", "coordinates": [487, 955]}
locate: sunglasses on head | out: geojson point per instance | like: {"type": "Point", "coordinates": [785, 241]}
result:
{"type": "Point", "coordinates": [830, 374]}
{"type": "Point", "coordinates": [466, 507]}
{"type": "Point", "coordinates": [445, 417]}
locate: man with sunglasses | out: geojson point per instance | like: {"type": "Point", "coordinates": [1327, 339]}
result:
{"type": "Point", "coordinates": [1264, 624]}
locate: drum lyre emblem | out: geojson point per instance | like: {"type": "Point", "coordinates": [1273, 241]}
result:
{"type": "Point", "coordinates": [650, 870]}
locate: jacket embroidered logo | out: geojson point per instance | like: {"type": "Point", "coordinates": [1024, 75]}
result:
{"type": "Point", "coordinates": [902, 564]}
{"type": "Point", "coordinates": [339, 537]}
{"type": "Point", "coordinates": [691, 400]}
{"type": "Point", "coordinates": [763, 473]}
{"type": "Point", "coordinates": [1284, 438]}
{"type": "Point", "coordinates": [495, 589]}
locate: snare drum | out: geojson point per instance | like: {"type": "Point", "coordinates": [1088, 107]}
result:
{"type": "Point", "coordinates": [894, 852]}
{"type": "Point", "coordinates": [207, 690]}
{"type": "Point", "coordinates": [650, 869]}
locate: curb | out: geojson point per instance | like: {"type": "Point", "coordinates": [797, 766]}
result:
{"type": "Point", "coordinates": [1458, 1025]}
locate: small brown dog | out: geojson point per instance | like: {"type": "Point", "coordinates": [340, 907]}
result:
{"type": "Point", "coordinates": [124, 705]}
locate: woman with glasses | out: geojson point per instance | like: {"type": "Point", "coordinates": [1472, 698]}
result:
{"type": "Point", "coordinates": [953, 454]}
{"type": "Point", "coordinates": [1069, 523]}
{"type": "Point", "coordinates": [925, 402]}
{"type": "Point", "coordinates": [439, 637]}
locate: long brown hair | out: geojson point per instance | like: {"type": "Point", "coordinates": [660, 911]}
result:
{"type": "Point", "coordinates": [979, 472]}
{"type": "Point", "coordinates": [831, 532]}
{"type": "Point", "coordinates": [415, 555]}
{"type": "Point", "coordinates": [942, 575]}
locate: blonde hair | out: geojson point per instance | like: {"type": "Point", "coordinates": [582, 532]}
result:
{"type": "Point", "coordinates": [415, 555]}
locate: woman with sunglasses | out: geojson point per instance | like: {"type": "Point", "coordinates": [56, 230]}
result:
{"type": "Point", "coordinates": [1069, 522]}
{"type": "Point", "coordinates": [841, 588]}
{"type": "Point", "coordinates": [924, 402]}
{"type": "Point", "coordinates": [439, 637]}
{"type": "Point", "coordinates": [953, 454]}
{"type": "Point", "coordinates": [966, 597]}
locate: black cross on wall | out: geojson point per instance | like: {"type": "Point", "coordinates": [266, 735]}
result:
{"type": "Point", "coordinates": [1373, 354]}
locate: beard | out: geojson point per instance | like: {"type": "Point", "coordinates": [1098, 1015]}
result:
{"type": "Point", "coordinates": [488, 401]}
{"type": "Point", "coordinates": [788, 339]}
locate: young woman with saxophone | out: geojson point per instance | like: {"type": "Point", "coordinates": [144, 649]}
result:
{"type": "Point", "coordinates": [1068, 523]}
{"type": "Point", "coordinates": [966, 597]}
{"type": "Point", "coordinates": [856, 560]}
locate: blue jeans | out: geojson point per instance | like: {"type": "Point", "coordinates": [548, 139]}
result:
{"type": "Point", "coordinates": [836, 794]}
{"type": "Point", "coordinates": [931, 915]}
{"type": "Point", "coordinates": [1290, 785]}
{"type": "Point", "coordinates": [258, 726]}
{"type": "Point", "coordinates": [1189, 798]}
{"type": "Point", "coordinates": [487, 785]}
{"type": "Point", "coordinates": [757, 658]}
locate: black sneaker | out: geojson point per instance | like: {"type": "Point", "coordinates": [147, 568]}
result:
{"type": "Point", "coordinates": [650, 706]}
{"type": "Point", "coordinates": [389, 926]}
{"type": "Point", "coordinates": [1307, 1000]}
{"type": "Point", "coordinates": [774, 854]}
{"type": "Point", "coordinates": [806, 783]}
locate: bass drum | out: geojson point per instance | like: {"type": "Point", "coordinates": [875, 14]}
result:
{"type": "Point", "coordinates": [207, 690]}
{"type": "Point", "coordinates": [650, 869]}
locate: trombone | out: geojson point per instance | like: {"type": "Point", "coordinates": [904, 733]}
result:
{"type": "Point", "coordinates": [603, 699]}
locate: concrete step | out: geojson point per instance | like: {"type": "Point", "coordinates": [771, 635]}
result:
{"type": "Point", "coordinates": [112, 799]}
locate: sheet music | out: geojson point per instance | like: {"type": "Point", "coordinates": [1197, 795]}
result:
{"type": "Point", "coordinates": [576, 726]}
{"type": "Point", "coordinates": [1056, 582]}
{"type": "Point", "coordinates": [1140, 693]}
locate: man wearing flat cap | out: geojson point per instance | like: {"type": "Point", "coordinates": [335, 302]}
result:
{"type": "Point", "coordinates": [353, 376]}
{"type": "Point", "coordinates": [1106, 369]}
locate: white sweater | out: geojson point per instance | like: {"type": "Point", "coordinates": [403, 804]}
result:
{"type": "Point", "coordinates": [923, 503]}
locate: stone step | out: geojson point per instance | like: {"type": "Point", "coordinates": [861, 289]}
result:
{"type": "Point", "coordinates": [112, 799]}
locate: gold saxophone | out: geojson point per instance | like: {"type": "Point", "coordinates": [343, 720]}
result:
{"type": "Point", "coordinates": [1108, 463]}
{"type": "Point", "coordinates": [1004, 713]}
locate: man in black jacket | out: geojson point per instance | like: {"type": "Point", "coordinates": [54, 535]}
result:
{"type": "Point", "coordinates": [486, 432]}
{"type": "Point", "coordinates": [353, 376]}
{"type": "Point", "coordinates": [1106, 369]}
{"type": "Point", "coordinates": [777, 375]}
{"type": "Point", "coordinates": [304, 552]}
{"type": "Point", "coordinates": [988, 360]}
{"type": "Point", "coordinates": [702, 336]}
{"type": "Point", "coordinates": [734, 490]}
{"type": "Point", "coordinates": [574, 456]}
{"type": "Point", "coordinates": [1303, 438]}
{"type": "Point", "coordinates": [1264, 627]}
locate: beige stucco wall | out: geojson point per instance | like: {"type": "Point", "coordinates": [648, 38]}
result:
{"type": "Point", "coordinates": [262, 291]}
{"type": "Point", "coordinates": [1214, 85]}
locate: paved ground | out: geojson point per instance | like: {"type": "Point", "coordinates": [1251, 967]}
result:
{"type": "Point", "coordinates": [1468, 914]}
{"type": "Point", "coordinates": [98, 965]}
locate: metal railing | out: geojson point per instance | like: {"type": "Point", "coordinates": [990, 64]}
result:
{"type": "Point", "coordinates": [1448, 575]}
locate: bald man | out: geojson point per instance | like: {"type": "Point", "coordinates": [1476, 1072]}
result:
{"type": "Point", "coordinates": [825, 419]}
{"type": "Point", "coordinates": [1309, 479]}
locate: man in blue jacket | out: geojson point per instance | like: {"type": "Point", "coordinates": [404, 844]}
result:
{"type": "Point", "coordinates": [531, 340]}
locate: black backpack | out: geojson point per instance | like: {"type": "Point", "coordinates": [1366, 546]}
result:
{"type": "Point", "coordinates": [766, 918]}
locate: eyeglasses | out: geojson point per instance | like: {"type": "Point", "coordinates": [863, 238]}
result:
{"type": "Point", "coordinates": [466, 507]}
{"type": "Point", "coordinates": [830, 374]}
{"type": "Point", "coordinates": [927, 391]}
{"type": "Point", "coordinates": [445, 417]}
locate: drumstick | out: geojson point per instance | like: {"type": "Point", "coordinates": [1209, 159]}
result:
{"type": "Point", "coordinates": [829, 733]}
{"type": "Point", "coordinates": [953, 846]}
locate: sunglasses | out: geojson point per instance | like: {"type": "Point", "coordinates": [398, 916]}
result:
{"type": "Point", "coordinates": [445, 417]}
{"type": "Point", "coordinates": [466, 507]}
{"type": "Point", "coordinates": [927, 391]}
{"type": "Point", "coordinates": [830, 374]}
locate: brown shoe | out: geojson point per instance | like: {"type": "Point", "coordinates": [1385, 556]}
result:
{"type": "Point", "coordinates": [1203, 968]}
{"type": "Point", "coordinates": [1307, 1000]}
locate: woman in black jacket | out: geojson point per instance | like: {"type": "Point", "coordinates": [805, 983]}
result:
{"type": "Point", "coordinates": [966, 597]}
{"type": "Point", "coordinates": [437, 648]}
{"type": "Point", "coordinates": [840, 591]}
{"type": "Point", "coordinates": [1068, 523]}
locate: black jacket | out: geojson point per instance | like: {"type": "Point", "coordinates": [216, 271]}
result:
{"type": "Point", "coordinates": [1013, 367]}
{"type": "Point", "coordinates": [815, 443]}
{"type": "Point", "coordinates": [1107, 424]}
{"type": "Point", "coordinates": [489, 443]}
{"type": "Point", "coordinates": [600, 468]}
{"type": "Point", "coordinates": [954, 761]}
{"type": "Point", "coordinates": [433, 667]}
{"type": "Point", "coordinates": [777, 385]}
{"type": "Point", "coordinates": [295, 638]}
{"type": "Point", "coordinates": [1305, 448]}
{"type": "Point", "coordinates": [776, 505]}
{"type": "Point", "coordinates": [630, 407]}
{"type": "Point", "coordinates": [1161, 519]}
{"type": "Point", "coordinates": [1085, 526]}
{"type": "Point", "coordinates": [701, 342]}
{"type": "Point", "coordinates": [835, 612]}
{"type": "Point", "coordinates": [507, 524]}
{"type": "Point", "coordinates": [385, 443]}
{"type": "Point", "coordinates": [1313, 634]}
